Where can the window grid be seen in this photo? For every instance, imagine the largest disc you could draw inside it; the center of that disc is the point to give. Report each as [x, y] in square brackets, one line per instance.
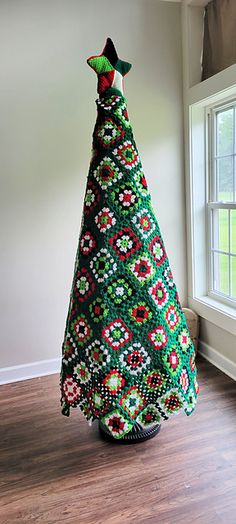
[215, 205]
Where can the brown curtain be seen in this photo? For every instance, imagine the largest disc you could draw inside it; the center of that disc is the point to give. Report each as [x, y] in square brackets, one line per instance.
[219, 42]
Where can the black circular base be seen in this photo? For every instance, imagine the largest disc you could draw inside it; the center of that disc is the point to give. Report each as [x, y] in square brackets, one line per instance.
[137, 434]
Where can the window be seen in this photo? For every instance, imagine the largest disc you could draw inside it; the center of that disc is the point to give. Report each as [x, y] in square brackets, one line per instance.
[210, 126]
[222, 202]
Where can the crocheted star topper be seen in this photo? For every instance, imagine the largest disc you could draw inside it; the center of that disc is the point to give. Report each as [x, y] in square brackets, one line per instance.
[109, 68]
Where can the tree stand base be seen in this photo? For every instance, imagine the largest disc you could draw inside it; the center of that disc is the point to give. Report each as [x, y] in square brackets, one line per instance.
[137, 434]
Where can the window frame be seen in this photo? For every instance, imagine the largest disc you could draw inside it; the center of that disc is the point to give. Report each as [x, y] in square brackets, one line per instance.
[212, 201]
[218, 89]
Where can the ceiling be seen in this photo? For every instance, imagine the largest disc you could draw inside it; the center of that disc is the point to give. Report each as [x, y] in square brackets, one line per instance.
[194, 3]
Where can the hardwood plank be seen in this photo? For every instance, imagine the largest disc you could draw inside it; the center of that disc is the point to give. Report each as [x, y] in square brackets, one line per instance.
[55, 469]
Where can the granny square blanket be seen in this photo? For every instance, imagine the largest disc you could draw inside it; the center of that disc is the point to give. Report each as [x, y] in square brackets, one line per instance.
[127, 355]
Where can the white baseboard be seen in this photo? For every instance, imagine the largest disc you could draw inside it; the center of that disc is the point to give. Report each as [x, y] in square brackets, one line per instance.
[27, 371]
[217, 359]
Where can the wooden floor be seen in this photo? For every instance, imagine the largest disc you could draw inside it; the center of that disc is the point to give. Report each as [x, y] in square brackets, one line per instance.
[55, 469]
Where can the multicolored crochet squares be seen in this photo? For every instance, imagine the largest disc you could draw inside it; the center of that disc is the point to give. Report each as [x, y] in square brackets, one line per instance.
[125, 198]
[132, 401]
[125, 243]
[106, 173]
[103, 265]
[81, 329]
[109, 133]
[119, 290]
[144, 223]
[127, 155]
[117, 423]
[105, 219]
[142, 268]
[116, 334]
[127, 351]
[84, 285]
[135, 358]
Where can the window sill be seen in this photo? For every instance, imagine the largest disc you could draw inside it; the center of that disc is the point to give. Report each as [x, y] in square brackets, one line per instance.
[216, 312]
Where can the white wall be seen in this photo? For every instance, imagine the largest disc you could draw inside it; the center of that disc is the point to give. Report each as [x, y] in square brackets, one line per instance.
[47, 118]
[218, 339]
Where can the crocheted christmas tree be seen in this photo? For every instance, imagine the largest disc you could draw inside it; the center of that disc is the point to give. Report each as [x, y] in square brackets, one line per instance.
[127, 352]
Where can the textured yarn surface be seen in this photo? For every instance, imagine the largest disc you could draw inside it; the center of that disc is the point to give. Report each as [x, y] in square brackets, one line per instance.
[127, 352]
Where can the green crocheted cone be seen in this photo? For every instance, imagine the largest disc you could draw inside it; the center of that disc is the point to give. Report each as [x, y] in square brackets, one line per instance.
[127, 352]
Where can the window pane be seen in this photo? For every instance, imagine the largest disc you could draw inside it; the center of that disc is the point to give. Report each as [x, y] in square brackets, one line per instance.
[221, 273]
[233, 231]
[224, 173]
[220, 229]
[224, 130]
[233, 275]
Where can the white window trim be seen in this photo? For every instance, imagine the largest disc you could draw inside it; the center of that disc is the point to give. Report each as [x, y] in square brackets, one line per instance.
[217, 89]
[212, 202]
